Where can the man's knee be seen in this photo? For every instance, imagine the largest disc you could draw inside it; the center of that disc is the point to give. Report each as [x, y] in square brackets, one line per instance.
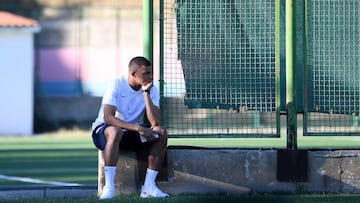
[164, 138]
[113, 134]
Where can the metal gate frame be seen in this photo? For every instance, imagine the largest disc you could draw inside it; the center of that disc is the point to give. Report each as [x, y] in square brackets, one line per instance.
[291, 122]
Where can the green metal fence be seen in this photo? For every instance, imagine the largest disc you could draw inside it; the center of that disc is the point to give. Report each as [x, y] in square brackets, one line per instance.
[224, 68]
[221, 68]
[333, 67]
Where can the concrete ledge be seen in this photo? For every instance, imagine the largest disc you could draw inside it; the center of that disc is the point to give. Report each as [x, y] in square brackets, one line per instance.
[126, 179]
[244, 170]
[218, 171]
[37, 192]
[238, 171]
[333, 171]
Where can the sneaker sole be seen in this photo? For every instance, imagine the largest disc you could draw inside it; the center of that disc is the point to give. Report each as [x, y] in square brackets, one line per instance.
[144, 195]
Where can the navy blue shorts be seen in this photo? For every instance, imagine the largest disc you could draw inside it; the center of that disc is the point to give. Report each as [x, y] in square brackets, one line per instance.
[129, 142]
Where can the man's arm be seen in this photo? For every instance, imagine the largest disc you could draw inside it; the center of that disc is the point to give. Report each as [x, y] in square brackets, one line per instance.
[152, 111]
[111, 120]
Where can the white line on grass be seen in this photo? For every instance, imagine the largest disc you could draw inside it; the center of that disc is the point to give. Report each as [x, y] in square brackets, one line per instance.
[31, 180]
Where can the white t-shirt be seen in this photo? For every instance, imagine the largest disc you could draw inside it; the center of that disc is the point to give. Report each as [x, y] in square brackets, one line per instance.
[130, 104]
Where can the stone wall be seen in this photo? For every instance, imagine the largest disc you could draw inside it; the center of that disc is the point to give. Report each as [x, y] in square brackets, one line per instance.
[238, 171]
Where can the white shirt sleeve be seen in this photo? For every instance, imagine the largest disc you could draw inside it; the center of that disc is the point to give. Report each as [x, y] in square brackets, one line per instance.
[110, 94]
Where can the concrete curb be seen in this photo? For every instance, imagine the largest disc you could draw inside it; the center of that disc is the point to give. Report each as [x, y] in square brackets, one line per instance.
[40, 192]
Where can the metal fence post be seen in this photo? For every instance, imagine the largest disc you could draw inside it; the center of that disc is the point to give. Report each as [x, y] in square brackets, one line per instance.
[148, 29]
[290, 74]
[161, 59]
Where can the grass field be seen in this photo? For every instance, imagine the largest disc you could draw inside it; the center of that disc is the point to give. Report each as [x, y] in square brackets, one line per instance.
[65, 156]
[252, 198]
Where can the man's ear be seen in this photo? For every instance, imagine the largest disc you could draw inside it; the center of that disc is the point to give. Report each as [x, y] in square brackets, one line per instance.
[133, 73]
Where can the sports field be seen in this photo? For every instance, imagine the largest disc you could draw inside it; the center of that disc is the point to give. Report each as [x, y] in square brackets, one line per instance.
[69, 158]
[61, 158]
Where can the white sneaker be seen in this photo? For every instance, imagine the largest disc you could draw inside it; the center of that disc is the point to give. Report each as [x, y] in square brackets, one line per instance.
[152, 191]
[107, 193]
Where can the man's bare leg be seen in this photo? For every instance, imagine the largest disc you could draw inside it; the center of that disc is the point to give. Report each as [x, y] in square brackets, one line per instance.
[155, 160]
[111, 155]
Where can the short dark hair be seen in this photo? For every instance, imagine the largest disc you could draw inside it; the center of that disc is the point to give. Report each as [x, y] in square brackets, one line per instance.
[139, 61]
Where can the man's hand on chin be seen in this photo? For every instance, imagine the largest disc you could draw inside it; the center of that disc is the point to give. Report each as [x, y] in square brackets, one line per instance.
[147, 86]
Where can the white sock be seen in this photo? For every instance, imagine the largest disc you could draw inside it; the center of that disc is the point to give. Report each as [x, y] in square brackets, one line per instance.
[150, 177]
[110, 172]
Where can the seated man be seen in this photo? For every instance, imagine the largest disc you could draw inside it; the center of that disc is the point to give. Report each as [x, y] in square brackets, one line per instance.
[119, 125]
